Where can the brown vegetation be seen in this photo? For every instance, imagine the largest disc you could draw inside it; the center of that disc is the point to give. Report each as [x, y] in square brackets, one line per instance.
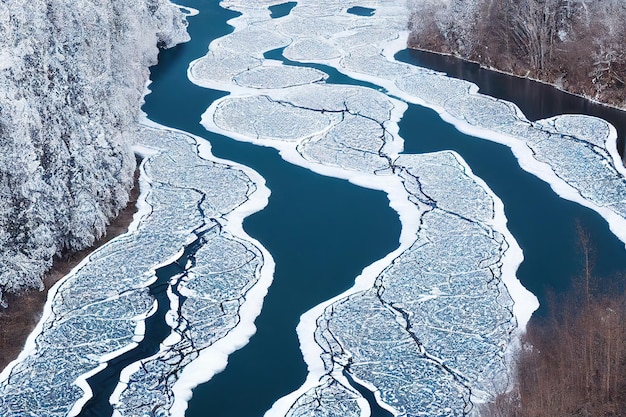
[24, 310]
[574, 44]
[573, 363]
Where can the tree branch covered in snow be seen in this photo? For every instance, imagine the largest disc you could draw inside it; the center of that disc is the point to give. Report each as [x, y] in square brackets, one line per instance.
[72, 77]
[576, 44]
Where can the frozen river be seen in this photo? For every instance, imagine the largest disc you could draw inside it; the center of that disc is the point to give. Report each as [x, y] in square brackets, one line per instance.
[385, 255]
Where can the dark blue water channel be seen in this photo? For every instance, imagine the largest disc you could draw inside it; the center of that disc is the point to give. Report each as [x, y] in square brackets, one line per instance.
[281, 10]
[361, 11]
[322, 232]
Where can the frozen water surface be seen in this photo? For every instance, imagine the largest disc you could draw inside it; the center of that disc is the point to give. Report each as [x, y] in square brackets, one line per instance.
[330, 398]
[336, 126]
[263, 117]
[368, 60]
[97, 312]
[252, 42]
[354, 144]
[312, 49]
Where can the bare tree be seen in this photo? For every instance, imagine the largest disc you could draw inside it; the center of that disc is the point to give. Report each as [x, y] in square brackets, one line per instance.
[576, 44]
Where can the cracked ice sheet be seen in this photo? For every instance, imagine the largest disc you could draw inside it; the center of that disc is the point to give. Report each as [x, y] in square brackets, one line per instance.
[342, 127]
[351, 132]
[89, 320]
[279, 76]
[333, 126]
[223, 271]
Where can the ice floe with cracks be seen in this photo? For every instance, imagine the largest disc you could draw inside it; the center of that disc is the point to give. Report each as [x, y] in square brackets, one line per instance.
[312, 50]
[279, 76]
[252, 42]
[354, 144]
[355, 100]
[369, 61]
[330, 398]
[215, 301]
[340, 126]
[262, 117]
[97, 312]
[221, 66]
[435, 342]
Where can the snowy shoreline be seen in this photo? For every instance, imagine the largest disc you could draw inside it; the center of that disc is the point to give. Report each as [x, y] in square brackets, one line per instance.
[522, 77]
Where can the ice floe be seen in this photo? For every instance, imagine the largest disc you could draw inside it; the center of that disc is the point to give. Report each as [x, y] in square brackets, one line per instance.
[333, 126]
[190, 202]
[279, 77]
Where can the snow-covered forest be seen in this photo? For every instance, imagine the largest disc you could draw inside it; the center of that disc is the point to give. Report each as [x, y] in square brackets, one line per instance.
[577, 45]
[72, 77]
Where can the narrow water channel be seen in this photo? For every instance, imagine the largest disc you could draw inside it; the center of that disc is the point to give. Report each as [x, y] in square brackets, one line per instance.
[103, 383]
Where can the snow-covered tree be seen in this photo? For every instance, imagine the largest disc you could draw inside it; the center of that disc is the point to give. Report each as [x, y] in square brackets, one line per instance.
[72, 76]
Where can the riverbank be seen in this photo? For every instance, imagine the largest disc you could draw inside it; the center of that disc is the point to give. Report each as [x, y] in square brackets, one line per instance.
[24, 310]
[575, 47]
[576, 91]
[536, 99]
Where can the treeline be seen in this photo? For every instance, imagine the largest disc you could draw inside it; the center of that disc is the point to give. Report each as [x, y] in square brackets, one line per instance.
[578, 45]
[72, 78]
[572, 363]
